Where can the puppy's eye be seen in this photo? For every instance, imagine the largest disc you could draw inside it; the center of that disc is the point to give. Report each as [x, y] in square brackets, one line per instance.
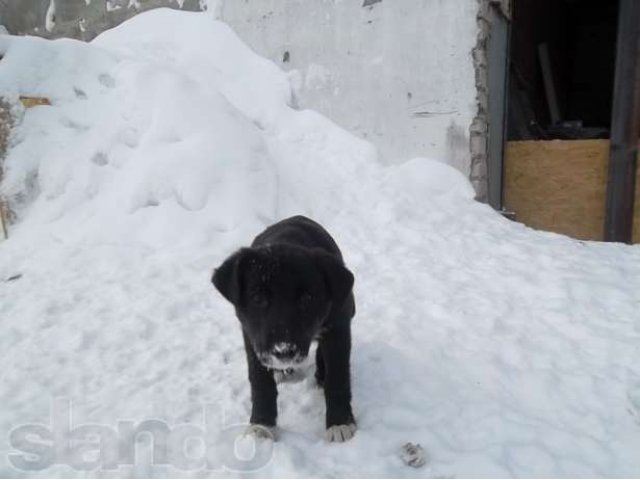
[259, 299]
[304, 300]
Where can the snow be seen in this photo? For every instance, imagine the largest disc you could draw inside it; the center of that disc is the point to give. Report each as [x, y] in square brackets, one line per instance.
[500, 350]
[213, 7]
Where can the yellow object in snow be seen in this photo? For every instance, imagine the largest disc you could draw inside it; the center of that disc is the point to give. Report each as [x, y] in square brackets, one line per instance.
[29, 102]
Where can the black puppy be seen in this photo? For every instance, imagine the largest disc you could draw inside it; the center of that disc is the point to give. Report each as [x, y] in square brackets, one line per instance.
[289, 288]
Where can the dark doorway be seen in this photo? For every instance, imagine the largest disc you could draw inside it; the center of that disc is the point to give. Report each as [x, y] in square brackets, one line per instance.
[562, 63]
[572, 117]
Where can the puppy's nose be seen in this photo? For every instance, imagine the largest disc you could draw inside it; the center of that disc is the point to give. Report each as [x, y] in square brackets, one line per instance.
[284, 351]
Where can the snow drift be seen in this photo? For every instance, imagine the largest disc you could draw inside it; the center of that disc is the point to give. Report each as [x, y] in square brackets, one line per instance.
[501, 350]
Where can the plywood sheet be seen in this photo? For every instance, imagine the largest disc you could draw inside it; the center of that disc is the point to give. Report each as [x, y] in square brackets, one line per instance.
[560, 186]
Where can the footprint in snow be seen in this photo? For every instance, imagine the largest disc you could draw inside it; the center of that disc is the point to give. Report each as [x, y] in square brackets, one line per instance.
[79, 93]
[633, 395]
[106, 80]
[413, 455]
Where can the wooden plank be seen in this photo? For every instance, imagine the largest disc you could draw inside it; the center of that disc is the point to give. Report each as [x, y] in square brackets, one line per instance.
[498, 60]
[6, 123]
[5, 234]
[29, 102]
[560, 186]
[549, 83]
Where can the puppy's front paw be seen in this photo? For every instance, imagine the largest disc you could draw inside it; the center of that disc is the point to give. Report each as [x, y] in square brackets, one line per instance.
[340, 433]
[261, 432]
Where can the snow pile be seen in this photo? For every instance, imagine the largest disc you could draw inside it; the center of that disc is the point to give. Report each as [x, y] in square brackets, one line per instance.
[500, 350]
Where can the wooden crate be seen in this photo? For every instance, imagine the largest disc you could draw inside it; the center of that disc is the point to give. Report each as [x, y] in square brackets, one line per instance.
[560, 186]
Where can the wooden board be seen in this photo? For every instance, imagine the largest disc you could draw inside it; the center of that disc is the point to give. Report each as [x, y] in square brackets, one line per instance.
[560, 186]
[29, 102]
[6, 123]
[5, 129]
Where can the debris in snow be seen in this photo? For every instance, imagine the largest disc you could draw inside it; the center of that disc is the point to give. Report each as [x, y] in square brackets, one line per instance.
[17, 276]
[30, 102]
[3, 223]
[413, 455]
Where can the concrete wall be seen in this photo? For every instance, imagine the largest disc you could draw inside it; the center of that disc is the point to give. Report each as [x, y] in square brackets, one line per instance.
[81, 19]
[399, 73]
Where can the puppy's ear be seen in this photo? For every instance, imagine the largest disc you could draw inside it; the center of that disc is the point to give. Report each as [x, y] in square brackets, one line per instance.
[227, 277]
[339, 279]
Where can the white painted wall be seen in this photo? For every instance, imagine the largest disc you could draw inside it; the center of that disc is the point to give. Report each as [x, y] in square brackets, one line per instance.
[399, 72]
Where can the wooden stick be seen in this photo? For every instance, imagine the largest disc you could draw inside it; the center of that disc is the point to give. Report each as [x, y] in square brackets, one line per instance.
[2, 220]
[549, 83]
[29, 102]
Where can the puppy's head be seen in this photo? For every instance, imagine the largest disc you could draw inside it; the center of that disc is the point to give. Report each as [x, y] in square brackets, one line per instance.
[282, 295]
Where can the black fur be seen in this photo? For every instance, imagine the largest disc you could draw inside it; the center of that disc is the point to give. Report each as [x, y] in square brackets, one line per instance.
[289, 288]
